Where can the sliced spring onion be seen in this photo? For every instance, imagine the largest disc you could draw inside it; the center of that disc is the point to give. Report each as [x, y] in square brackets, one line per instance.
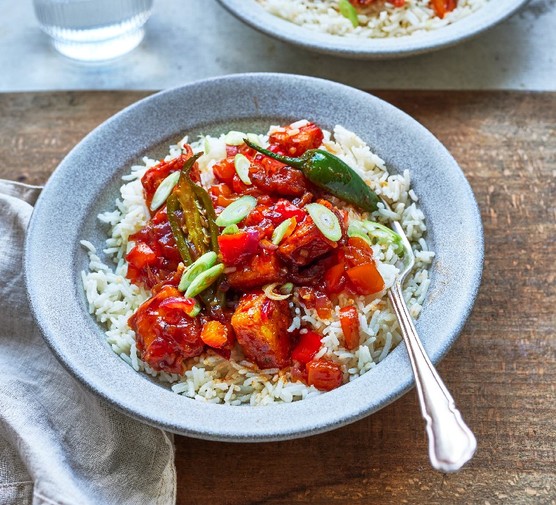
[236, 211]
[286, 288]
[194, 311]
[242, 165]
[164, 189]
[230, 230]
[273, 295]
[204, 280]
[234, 138]
[299, 124]
[326, 221]
[358, 229]
[283, 230]
[253, 138]
[385, 236]
[203, 263]
[348, 11]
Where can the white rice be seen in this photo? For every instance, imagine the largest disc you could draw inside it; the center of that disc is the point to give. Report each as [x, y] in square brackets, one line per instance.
[112, 298]
[380, 20]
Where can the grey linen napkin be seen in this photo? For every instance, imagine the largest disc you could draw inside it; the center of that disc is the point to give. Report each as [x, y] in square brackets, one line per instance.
[60, 444]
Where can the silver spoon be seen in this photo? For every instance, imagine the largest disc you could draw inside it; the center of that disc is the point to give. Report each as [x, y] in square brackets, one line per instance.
[451, 442]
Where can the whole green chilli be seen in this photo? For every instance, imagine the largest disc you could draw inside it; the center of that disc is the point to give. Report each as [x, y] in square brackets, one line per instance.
[330, 173]
[195, 231]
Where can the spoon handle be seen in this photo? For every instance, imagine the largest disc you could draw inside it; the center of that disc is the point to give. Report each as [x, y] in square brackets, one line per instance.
[451, 442]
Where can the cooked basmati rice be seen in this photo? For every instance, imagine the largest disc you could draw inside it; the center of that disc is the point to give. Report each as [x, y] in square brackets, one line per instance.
[380, 20]
[112, 298]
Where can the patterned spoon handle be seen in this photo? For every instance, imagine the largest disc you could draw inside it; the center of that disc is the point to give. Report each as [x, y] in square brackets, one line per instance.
[451, 442]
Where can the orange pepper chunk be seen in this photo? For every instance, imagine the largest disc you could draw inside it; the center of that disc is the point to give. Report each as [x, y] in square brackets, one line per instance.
[324, 374]
[214, 334]
[365, 279]
[349, 320]
[442, 7]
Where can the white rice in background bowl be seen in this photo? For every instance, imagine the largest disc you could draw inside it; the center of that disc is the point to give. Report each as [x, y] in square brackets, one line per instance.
[112, 298]
[380, 20]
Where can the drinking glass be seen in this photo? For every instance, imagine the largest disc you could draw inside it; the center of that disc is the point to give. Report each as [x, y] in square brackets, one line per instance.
[93, 30]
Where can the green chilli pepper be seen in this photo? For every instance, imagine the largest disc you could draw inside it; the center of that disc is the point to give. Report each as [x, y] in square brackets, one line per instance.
[192, 216]
[330, 173]
[195, 230]
[206, 203]
[172, 207]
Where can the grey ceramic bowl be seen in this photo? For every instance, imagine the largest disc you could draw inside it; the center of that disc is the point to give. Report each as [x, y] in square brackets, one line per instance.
[87, 182]
[251, 12]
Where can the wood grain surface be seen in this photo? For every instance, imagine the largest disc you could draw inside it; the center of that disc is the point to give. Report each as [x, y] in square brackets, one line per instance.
[501, 371]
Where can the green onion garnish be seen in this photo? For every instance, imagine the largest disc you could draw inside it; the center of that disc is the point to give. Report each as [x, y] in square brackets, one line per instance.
[204, 280]
[286, 288]
[203, 263]
[236, 211]
[234, 138]
[348, 11]
[358, 229]
[285, 228]
[164, 189]
[326, 221]
[194, 311]
[385, 236]
[230, 230]
[242, 165]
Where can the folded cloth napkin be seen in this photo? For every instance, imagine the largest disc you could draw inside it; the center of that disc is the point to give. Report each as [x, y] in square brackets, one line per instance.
[60, 444]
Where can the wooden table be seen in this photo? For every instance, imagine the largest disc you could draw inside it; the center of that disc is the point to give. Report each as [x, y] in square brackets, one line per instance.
[501, 371]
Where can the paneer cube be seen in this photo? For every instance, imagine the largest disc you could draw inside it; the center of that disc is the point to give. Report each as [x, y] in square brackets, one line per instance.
[264, 268]
[305, 244]
[261, 327]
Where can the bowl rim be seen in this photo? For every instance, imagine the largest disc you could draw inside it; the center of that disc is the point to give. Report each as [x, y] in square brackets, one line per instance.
[204, 420]
[254, 15]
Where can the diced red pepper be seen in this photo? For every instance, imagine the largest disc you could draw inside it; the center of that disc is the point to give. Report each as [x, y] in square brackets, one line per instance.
[285, 209]
[295, 141]
[358, 252]
[214, 334]
[365, 279]
[187, 305]
[244, 149]
[349, 320]
[324, 374]
[225, 170]
[141, 255]
[335, 279]
[221, 195]
[237, 247]
[442, 7]
[308, 345]
[239, 187]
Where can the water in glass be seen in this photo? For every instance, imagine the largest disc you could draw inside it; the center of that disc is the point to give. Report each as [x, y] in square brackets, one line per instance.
[93, 30]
